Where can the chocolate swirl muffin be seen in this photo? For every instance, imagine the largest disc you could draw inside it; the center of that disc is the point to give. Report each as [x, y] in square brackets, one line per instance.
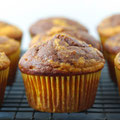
[10, 31]
[72, 32]
[11, 48]
[45, 25]
[4, 69]
[109, 27]
[111, 48]
[61, 70]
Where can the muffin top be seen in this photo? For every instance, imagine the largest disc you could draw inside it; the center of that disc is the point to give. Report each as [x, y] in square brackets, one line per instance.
[110, 26]
[112, 45]
[8, 45]
[4, 61]
[44, 25]
[78, 34]
[10, 31]
[117, 61]
[62, 55]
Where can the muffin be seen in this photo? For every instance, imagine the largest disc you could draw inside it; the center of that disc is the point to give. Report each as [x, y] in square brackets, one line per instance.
[77, 34]
[111, 48]
[117, 69]
[4, 69]
[11, 48]
[61, 75]
[109, 27]
[45, 25]
[10, 31]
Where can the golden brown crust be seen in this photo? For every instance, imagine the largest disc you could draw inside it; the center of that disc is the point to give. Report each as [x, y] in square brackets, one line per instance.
[61, 55]
[10, 31]
[110, 26]
[44, 25]
[117, 61]
[77, 34]
[4, 61]
[8, 45]
[112, 45]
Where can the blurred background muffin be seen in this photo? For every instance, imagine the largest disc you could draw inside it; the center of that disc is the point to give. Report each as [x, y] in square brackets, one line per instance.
[10, 31]
[109, 27]
[117, 69]
[44, 25]
[11, 48]
[58, 73]
[72, 32]
[111, 48]
[4, 70]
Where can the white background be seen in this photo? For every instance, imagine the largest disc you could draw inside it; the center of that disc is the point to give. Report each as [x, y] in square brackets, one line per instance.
[25, 12]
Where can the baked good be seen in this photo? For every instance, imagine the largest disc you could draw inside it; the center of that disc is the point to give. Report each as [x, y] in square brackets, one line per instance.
[4, 70]
[44, 25]
[77, 34]
[61, 75]
[10, 31]
[11, 48]
[117, 69]
[111, 48]
[109, 27]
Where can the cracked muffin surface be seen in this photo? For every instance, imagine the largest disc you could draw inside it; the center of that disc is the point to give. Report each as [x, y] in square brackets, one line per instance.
[10, 31]
[112, 45]
[8, 45]
[44, 25]
[4, 61]
[110, 26]
[77, 34]
[61, 55]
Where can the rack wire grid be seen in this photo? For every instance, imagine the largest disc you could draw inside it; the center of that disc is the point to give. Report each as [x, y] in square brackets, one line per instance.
[106, 105]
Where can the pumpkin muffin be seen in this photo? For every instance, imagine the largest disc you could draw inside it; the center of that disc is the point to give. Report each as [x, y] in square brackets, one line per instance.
[4, 69]
[111, 48]
[11, 48]
[61, 75]
[77, 34]
[10, 31]
[109, 27]
[44, 25]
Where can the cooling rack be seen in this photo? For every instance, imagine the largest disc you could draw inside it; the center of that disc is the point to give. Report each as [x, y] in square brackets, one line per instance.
[106, 106]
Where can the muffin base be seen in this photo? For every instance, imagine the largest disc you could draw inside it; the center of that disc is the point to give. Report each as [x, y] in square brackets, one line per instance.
[13, 66]
[3, 83]
[110, 60]
[103, 39]
[61, 94]
[118, 77]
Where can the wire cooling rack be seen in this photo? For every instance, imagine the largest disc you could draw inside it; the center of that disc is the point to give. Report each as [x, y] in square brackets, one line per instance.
[106, 106]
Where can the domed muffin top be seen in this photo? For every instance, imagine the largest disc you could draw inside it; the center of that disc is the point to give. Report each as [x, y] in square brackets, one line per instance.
[44, 25]
[110, 26]
[4, 61]
[117, 61]
[8, 45]
[10, 31]
[112, 45]
[61, 55]
[78, 34]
